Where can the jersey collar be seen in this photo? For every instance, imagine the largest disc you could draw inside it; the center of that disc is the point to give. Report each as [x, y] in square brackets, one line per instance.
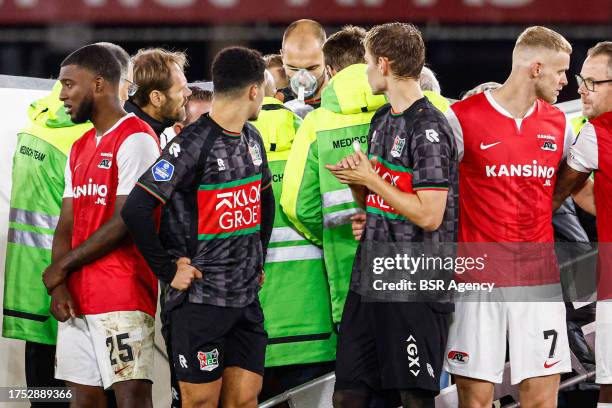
[120, 121]
[502, 110]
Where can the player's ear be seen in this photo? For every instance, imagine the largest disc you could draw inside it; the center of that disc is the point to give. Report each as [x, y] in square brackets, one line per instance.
[156, 98]
[178, 128]
[383, 65]
[534, 69]
[98, 84]
[330, 71]
[253, 90]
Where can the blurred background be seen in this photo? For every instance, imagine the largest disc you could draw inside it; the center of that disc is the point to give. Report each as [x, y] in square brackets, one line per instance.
[468, 41]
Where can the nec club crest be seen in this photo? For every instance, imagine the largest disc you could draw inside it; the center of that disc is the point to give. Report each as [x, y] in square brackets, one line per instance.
[398, 146]
[255, 153]
[208, 360]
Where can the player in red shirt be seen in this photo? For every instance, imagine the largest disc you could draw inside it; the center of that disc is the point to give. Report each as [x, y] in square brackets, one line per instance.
[510, 142]
[103, 293]
[592, 152]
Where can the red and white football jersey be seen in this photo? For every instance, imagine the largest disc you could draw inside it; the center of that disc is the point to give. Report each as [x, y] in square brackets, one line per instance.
[593, 152]
[507, 174]
[98, 169]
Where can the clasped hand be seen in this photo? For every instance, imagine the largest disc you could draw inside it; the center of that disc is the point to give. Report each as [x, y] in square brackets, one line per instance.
[354, 169]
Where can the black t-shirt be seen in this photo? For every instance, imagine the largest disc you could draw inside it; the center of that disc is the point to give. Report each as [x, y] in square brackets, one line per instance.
[416, 150]
[211, 211]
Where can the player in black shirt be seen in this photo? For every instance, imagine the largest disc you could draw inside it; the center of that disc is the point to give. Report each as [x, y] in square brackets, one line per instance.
[409, 192]
[213, 182]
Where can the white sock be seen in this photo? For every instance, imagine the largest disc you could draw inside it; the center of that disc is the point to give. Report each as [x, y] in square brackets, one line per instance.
[604, 405]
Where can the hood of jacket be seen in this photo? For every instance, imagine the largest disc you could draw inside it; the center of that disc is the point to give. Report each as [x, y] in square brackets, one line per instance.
[349, 92]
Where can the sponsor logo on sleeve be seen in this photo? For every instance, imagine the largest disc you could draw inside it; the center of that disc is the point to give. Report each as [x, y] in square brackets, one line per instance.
[432, 136]
[220, 164]
[458, 357]
[162, 170]
[174, 149]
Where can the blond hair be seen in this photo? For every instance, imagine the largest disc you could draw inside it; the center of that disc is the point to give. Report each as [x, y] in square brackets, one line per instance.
[542, 37]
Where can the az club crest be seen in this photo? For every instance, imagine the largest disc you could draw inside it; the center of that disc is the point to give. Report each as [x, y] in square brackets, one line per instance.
[105, 164]
[550, 146]
[398, 146]
[255, 154]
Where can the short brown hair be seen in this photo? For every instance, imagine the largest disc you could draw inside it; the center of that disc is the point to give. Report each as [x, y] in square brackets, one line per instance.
[542, 37]
[273, 60]
[345, 47]
[602, 48]
[199, 94]
[152, 71]
[401, 44]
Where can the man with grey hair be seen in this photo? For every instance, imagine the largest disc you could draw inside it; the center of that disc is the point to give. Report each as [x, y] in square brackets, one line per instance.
[428, 81]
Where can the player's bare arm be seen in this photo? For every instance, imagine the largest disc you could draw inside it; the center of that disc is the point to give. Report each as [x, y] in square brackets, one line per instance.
[570, 181]
[425, 208]
[268, 211]
[585, 197]
[61, 302]
[138, 216]
[100, 243]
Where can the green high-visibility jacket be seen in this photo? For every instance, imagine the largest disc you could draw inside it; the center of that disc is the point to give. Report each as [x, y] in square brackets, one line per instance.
[295, 295]
[36, 200]
[317, 204]
[577, 123]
